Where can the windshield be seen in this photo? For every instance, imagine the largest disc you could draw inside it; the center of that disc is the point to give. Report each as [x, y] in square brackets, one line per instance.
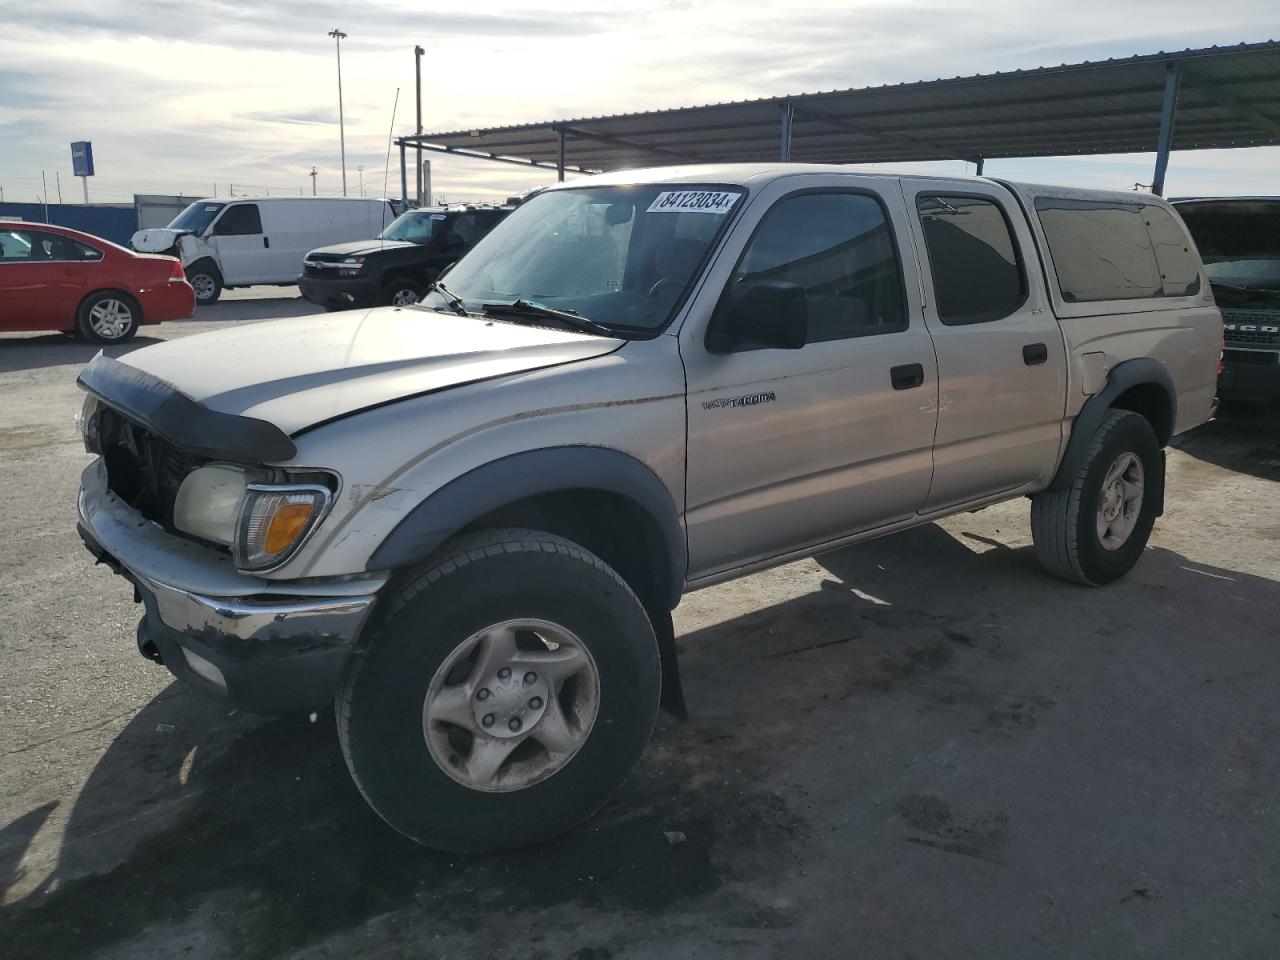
[1239, 241]
[621, 256]
[196, 217]
[415, 227]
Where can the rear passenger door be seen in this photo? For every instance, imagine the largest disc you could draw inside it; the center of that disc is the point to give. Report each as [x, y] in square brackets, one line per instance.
[788, 449]
[1001, 359]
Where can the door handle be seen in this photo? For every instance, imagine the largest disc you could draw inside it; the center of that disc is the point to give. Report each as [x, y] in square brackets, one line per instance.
[906, 375]
[266, 241]
[1034, 354]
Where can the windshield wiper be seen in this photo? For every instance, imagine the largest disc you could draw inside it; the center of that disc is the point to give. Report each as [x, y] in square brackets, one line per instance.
[569, 318]
[453, 301]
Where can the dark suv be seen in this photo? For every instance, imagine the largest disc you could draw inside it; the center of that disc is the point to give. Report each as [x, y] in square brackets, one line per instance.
[396, 267]
[1239, 240]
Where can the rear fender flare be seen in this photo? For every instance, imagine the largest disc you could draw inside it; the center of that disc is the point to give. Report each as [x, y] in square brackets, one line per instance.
[1122, 377]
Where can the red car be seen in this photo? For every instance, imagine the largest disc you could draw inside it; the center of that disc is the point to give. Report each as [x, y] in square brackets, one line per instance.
[52, 278]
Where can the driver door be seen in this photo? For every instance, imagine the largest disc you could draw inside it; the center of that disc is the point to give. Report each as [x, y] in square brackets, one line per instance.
[243, 249]
[788, 449]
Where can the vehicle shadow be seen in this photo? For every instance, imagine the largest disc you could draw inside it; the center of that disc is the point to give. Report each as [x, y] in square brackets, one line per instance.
[1243, 438]
[264, 840]
[56, 350]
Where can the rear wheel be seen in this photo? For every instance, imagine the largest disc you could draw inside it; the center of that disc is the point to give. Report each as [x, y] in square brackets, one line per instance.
[505, 694]
[108, 317]
[402, 292]
[205, 280]
[1095, 529]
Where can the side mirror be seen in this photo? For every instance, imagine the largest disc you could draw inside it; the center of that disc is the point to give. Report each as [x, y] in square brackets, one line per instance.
[772, 314]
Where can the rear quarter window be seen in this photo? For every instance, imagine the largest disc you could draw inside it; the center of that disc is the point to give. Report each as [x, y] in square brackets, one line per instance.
[1100, 251]
[1103, 250]
[1179, 265]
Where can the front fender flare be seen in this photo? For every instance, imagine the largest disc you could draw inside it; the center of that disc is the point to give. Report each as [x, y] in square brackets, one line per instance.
[478, 492]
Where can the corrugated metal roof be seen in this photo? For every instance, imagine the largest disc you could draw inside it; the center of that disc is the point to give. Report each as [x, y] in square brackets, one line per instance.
[1229, 97]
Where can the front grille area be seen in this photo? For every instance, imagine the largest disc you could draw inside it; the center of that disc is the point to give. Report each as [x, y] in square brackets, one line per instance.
[311, 268]
[1251, 328]
[142, 469]
[1252, 358]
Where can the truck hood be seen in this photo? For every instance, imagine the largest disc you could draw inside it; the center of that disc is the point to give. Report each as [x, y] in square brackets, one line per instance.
[299, 372]
[358, 247]
[155, 239]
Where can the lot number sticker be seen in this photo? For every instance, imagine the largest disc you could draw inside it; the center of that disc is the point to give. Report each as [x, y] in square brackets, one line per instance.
[693, 201]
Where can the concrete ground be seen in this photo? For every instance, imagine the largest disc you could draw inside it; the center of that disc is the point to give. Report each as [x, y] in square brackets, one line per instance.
[918, 747]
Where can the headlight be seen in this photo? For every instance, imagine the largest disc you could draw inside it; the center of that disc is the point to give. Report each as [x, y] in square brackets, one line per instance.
[208, 502]
[87, 423]
[351, 267]
[275, 520]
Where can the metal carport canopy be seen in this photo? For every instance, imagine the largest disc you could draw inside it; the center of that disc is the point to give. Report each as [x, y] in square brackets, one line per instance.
[1188, 100]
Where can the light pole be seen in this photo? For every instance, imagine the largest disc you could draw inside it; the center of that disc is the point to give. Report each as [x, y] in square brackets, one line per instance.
[338, 37]
[417, 74]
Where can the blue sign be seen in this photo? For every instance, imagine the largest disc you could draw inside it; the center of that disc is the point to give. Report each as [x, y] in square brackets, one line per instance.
[82, 158]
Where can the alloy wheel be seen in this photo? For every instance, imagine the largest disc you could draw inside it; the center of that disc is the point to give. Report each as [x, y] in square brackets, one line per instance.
[511, 705]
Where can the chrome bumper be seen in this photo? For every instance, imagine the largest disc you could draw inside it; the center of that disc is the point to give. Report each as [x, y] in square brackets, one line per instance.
[272, 644]
[326, 620]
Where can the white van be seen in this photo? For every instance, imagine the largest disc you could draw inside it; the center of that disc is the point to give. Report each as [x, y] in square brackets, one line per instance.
[235, 243]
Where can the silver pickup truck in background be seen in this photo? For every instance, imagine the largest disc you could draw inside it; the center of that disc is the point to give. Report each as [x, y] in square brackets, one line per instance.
[466, 522]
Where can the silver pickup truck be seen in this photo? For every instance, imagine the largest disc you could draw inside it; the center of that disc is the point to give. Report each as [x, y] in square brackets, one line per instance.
[466, 522]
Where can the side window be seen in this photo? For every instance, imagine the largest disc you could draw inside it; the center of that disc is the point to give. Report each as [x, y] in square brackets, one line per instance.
[977, 272]
[1100, 250]
[1179, 271]
[15, 246]
[462, 230]
[240, 220]
[35, 245]
[839, 248]
[82, 251]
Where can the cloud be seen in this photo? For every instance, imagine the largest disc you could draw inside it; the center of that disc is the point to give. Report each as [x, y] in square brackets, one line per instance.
[180, 94]
[315, 117]
[275, 25]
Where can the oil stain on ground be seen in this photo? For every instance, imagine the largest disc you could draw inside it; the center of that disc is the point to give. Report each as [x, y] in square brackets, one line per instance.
[933, 824]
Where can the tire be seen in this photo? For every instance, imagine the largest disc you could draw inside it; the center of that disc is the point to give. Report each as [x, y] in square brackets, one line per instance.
[206, 281]
[108, 316]
[1065, 523]
[416, 772]
[401, 292]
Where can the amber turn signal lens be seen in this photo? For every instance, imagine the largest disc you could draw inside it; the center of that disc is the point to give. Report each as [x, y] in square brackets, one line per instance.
[287, 525]
[274, 520]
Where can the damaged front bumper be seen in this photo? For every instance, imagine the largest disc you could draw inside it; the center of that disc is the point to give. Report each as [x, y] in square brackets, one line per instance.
[271, 645]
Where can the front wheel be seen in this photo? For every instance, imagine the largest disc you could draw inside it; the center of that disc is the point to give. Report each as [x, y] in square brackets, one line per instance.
[402, 293]
[108, 317]
[205, 281]
[1094, 530]
[505, 694]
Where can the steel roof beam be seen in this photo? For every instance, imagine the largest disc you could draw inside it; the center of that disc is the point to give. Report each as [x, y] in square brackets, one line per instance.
[1229, 101]
[764, 133]
[864, 129]
[481, 155]
[581, 134]
[966, 104]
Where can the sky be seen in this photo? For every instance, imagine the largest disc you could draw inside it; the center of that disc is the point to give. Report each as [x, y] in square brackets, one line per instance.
[203, 95]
